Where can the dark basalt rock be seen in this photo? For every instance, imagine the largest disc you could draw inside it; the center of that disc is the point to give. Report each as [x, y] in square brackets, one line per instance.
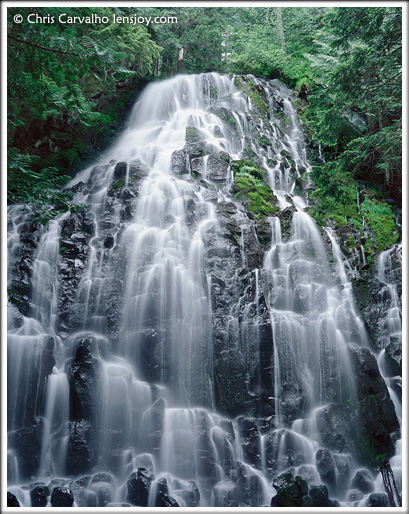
[250, 441]
[326, 466]
[225, 494]
[80, 455]
[393, 357]
[138, 485]
[377, 500]
[137, 169]
[12, 500]
[290, 491]
[62, 497]
[217, 166]
[376, 409]
[120, 170]
[84, 377]
[179, 160]
[319, 495]
[363, 481]
[26, 443]
[38, 496]
[163, 499]
[332, 429]
[190, 494]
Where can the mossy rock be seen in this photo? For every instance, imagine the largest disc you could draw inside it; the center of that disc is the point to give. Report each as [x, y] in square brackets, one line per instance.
[381, 220]
[244, 165]
[192, 135]
[119, 184]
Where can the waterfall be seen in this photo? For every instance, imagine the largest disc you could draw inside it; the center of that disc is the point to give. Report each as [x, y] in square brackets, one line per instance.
[169, 347]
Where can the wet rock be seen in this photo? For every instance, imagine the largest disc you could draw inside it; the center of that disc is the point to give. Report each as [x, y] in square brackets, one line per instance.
[84, 378]
[62, 497]
[249, 489]
[137, 169]
[326, 466]
[205, 452]
[190, 494]
[214, 167]
[155, 415]
[332, 430]
[120, 170]
[38, 496]
[290, 490]
[393, 357]
[225, 494]
[319, 495]
[144, 461]
[342, 462]
[163, 499]
[376, 410]
[80, 492]
[80, 455]
[138, 485]
[377, 500]
[193, 135]
[12, 500]
[217, 166]
[354, 495]
[250, 441]
[104, 495]
[26, 443]
[363, 481]
[179, 161]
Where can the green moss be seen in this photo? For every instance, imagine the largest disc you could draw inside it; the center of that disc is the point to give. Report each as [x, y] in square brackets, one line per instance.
[380, 219]
[245, 166]
[264, 141]
[253, 92]
[256, 195]
[192, 135]
[118, 184]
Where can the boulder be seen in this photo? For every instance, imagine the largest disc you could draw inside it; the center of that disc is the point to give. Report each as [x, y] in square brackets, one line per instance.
[138, 485]
[326, 466]
[38, 496]
[12, 500]
[363, 481]
[179, 161]
[163, 499]
[290, 490]
[120, 170]
[319, 495]
[377, 500]
[62, 497]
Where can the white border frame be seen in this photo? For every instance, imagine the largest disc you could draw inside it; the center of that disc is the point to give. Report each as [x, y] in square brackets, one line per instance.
[405, 199]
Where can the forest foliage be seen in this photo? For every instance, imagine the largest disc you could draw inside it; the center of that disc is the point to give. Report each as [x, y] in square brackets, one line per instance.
[69, 85]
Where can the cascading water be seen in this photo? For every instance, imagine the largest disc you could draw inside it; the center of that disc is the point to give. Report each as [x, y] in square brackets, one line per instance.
[156, 359]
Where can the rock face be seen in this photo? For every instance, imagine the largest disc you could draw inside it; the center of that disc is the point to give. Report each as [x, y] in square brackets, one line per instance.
[377, 412]
[84, 378]
[27, 445]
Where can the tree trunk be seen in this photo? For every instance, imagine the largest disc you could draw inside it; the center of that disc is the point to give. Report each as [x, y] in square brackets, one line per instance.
[390, 484]
[281, 31]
